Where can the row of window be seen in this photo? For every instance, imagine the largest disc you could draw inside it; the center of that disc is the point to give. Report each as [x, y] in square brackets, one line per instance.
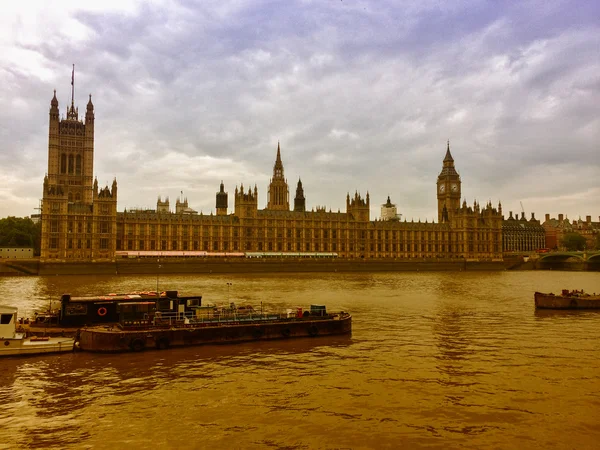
[79, 243]
[165, 245]
[104, 227]
[70, 164]
[300, 233]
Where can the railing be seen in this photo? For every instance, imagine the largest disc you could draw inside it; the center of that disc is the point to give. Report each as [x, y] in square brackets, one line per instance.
[189, 319]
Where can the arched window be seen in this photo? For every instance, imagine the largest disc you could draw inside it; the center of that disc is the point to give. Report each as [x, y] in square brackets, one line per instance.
[78, 165]
[63, 163]
[78, 197]
[71, 163]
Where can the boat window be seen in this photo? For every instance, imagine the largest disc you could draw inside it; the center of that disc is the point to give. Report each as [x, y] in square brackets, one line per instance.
[164, 305]
[76, 309]
[5, 319]
[193, 302]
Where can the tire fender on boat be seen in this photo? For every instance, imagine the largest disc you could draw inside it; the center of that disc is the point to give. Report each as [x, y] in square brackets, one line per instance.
[286, 332]
[162, 343]
[137, 345]
[313, 330]
[102, 311]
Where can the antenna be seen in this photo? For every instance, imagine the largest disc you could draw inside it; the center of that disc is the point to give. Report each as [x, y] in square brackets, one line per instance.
[73, 85]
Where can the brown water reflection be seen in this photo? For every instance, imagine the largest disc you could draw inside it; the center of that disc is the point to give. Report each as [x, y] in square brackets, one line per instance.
[434, 361]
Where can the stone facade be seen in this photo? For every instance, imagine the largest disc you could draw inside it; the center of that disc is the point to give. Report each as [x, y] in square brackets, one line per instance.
[80, 222]
[522, 235]
[556, 228]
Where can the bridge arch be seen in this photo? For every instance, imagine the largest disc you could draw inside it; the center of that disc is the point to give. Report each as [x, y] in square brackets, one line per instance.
[561, 256]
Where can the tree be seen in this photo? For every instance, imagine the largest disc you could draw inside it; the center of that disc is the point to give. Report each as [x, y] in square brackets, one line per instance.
[573, 242]
[20, 232]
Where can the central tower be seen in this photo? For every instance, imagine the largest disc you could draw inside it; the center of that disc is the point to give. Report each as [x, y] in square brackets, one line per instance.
[279, 192]
[448, 189]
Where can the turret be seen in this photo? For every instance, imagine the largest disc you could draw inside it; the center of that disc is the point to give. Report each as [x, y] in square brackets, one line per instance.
[299, 200]
[221, 200]
[54, 107]
[358, 207]
[89, 113]
[246, 204]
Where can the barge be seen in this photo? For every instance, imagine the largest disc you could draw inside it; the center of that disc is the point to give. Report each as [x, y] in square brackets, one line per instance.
[14, 343]
[575, 299]
[141, 327]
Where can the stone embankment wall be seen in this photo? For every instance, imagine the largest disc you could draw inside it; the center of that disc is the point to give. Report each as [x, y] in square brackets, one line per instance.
[208, 266]
[11, 267]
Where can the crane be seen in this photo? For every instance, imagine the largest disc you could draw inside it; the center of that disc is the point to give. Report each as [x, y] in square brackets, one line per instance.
[522, 209]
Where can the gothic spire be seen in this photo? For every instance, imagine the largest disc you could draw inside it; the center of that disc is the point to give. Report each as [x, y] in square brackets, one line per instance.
[278, 167]
[448, 157]
[54, 101]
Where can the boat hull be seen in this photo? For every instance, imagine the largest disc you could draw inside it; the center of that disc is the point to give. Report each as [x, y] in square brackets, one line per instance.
[570, 301]
[27, 346]
[114, 339]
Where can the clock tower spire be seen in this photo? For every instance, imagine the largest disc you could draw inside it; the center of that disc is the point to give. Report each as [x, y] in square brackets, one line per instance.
[448, 188]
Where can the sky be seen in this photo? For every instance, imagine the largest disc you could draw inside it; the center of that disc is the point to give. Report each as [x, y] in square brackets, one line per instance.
[361, 95]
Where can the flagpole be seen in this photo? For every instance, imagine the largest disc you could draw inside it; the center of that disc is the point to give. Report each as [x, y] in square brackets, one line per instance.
[73, 86]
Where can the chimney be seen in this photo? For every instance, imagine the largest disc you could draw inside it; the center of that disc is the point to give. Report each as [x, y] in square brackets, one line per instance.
[588, 219]
[561, 217]
[532, 216]
[547, 217]
[510, 215]
[523, 215]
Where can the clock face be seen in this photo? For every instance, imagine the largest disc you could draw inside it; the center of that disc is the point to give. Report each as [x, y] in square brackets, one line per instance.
[442, 188]
[454, 188]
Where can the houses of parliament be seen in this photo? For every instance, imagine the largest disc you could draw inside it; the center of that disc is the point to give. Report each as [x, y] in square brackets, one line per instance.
[80, 220]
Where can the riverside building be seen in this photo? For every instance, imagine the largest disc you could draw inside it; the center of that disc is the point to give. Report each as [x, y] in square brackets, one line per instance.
[80, 221]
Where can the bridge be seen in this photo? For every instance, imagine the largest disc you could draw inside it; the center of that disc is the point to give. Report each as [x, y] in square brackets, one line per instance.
[591, 256]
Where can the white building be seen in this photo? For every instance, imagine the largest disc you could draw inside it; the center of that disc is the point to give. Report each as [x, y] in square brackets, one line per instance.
[389, 211]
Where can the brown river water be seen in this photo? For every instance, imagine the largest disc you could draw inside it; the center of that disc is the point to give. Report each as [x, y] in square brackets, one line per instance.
[435, 360]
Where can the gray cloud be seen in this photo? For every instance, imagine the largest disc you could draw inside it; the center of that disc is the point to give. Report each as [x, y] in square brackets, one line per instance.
[362, 96]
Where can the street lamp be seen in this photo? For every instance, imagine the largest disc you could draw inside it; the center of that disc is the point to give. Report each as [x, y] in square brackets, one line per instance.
[157, 274]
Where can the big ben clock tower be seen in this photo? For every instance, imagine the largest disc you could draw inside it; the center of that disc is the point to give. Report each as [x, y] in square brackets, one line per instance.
[448, 189]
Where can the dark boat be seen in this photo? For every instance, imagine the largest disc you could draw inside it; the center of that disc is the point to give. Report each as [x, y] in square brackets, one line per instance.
[567, 300]
[141, 327]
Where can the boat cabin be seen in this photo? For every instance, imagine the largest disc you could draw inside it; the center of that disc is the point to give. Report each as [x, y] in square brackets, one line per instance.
[80, 311]
[8, 320]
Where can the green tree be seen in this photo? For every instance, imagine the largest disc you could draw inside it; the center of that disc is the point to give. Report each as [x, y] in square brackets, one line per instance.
[573, 242]
[20, 232]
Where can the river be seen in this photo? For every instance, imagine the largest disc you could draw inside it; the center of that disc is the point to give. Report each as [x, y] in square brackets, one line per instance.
[435, 360]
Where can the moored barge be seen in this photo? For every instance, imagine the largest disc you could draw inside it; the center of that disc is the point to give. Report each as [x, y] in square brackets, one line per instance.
[209, 326]
[575, 299]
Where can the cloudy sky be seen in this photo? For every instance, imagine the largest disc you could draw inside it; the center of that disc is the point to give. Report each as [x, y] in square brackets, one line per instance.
[362, 95]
